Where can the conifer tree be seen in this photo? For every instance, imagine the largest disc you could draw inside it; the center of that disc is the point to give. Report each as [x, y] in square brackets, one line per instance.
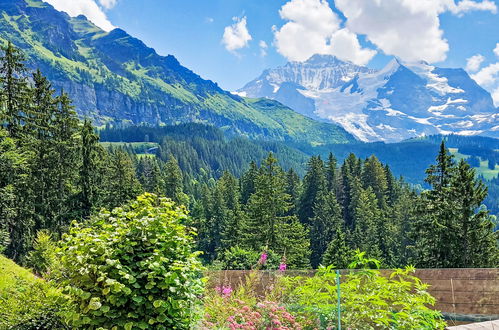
[477, 243]
[173, 179]
[323, 225]
[338, 252]
[267, 225]
[368, 221]
[248, 182]
[90, 178]
[14, 86]
[314, 183]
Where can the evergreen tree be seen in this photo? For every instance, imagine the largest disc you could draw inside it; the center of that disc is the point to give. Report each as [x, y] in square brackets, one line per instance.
[331, 173]
[293, 189]
[338, 252]
[173, 179]
[367, 234]
[267, 225]
[435, 233]
[248, 182]
[323, 225]
[351, 170]
[14, 86]
[477, 243]
[374, 176]
[314, 183]
[122, 183]
[90, 178]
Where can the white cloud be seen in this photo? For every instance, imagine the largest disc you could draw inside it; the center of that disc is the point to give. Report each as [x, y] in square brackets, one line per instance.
[313, 28]
[236, 36]
[495, 96]
[209, 20]
[108, 4]
[408, 29]
[488, 78]
[496, 50]
[263, 48]
[488, 75]
[474, 62]
[465, 6]
[89, 8]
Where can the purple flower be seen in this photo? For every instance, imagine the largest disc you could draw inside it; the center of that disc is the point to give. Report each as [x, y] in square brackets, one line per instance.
[263, 258]
[224, 291]
[282, 267]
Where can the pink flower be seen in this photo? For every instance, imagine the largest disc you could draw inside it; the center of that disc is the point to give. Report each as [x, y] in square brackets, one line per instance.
[263, 258]
[224, 291]
[282, 267]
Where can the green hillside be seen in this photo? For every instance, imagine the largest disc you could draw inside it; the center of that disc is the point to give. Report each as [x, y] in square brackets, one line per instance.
[113, 77]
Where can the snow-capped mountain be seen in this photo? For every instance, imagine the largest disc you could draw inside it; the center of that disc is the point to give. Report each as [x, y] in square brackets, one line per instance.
[398, 102]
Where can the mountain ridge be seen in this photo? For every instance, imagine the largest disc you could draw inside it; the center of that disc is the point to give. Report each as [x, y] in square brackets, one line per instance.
[112, 76]
[398, 102]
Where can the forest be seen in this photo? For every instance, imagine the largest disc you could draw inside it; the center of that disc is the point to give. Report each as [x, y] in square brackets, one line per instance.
[53, 171]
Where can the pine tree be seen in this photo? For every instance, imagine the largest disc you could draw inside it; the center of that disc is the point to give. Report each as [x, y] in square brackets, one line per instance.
[173, 179]
[477, 243]
[248, 182]
[374, 176]
[14, 86]
[267, 225]
[367, 234]
[293, 189]
[90, 178]
[338, 253]
[323, 225]
[434, 232]
[122, 184]
[314, 183]
[331, 173]
[351, 170]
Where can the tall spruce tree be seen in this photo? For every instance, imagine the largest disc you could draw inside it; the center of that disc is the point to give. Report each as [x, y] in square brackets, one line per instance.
[14, 86]
[323, 225]
[314, 183]
[267, 225]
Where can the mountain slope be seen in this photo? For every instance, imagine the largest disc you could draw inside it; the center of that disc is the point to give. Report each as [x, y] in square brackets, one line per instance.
[398, 102]
[115, 77]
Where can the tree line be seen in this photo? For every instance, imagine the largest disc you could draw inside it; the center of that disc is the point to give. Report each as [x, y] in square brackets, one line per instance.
[53, 170]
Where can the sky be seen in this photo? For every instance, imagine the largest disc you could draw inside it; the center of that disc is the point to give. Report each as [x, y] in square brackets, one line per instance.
[232, 41]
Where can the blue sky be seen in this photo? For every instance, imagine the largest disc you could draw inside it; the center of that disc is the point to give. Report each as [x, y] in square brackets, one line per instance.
[222, 39]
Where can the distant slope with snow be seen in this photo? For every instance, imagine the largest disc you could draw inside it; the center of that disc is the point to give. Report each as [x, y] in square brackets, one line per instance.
[400, 101]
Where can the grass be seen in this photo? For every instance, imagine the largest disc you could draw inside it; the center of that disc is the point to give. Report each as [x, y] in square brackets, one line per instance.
[483, 170]
[11, 274]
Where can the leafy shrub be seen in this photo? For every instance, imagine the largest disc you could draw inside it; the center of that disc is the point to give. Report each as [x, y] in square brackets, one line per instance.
[133, 267]
[43, 256]
[4, 239]
[237, 258]
[368, 299]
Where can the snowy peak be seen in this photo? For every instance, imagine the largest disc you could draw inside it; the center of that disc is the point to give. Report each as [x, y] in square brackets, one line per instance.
[400, 101]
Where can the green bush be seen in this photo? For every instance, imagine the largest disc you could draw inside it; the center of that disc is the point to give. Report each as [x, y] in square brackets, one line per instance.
[237, 258]
[133, 268]
[43, 256]
[369, 300]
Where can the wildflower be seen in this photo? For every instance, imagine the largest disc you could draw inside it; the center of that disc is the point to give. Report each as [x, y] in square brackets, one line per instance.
[282, 267]
[263, 258]
[224, 291]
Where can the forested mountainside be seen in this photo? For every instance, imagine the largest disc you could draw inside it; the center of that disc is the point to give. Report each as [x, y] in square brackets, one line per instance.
[115, 77]
[400, 101]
